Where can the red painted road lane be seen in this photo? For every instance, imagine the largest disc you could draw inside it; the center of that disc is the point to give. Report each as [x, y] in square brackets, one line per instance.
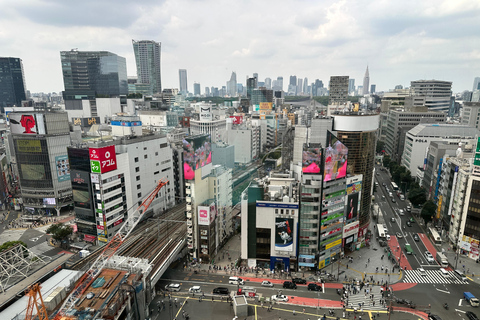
[402, 286]
[426, 242]
[302, 301]
[418, 313]
[397, 251]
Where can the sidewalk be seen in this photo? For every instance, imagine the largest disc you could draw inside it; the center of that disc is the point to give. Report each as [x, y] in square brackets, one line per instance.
[465, 264]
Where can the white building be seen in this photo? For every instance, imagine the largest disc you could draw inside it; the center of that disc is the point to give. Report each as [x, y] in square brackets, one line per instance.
[246, 143]
[217, 129]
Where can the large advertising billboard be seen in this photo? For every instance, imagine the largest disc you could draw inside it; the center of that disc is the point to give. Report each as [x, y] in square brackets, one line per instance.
[335, 159]
[22, 123]
[33, 171]
[284, 234]
[352, 206]
[266, 105]
[63, 168]
[197, 152]
[103, 160]
[311, 160]
[213, 211]
[203, 215]
[86, 122]
[237, 119]
[305, 260]
[29, 146]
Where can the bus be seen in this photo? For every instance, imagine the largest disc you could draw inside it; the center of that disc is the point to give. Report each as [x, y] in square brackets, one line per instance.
[394, 186]
[381, 231]
[434, 236]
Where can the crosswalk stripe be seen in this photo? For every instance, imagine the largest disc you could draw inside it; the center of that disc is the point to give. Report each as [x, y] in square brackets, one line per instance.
[432, 276]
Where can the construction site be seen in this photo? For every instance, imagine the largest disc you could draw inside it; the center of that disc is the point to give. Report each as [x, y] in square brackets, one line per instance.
[116, 281]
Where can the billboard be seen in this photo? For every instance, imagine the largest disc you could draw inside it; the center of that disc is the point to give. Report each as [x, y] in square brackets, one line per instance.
[213, 212]
[350, 229]
[103, 160]
[86, 122]
[33, 171]
[203, 216]
[352, 206]
[237, 119]
[284, 234]
[63, 168]
[335, 159]
[30, 146]
[22, 123]
[266, 106]
[205, 112]
[81, 198]
[197, 152]
[311, 160]
[305, 260]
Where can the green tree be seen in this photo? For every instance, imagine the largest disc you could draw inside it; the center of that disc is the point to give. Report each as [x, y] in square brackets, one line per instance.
[386, 161]
[59, 231]
[380, 146]
[7, 245]
[417, 196]
[428, 211]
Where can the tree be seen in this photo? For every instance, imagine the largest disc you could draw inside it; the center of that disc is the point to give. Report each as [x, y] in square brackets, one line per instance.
[380, 146]
[59, 231]
[428, 211]
[386, 160]
[7, 245]
[417, 196]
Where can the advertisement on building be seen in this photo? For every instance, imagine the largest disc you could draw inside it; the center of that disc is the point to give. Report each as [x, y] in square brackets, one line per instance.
[335, 159]
[311, 160]
[283, 234]
[265, 105]
[29, 146]
[103, 160]
[63, 168]
[351, 209]
[197, 153]
[205, 112]
[354, 187]
[86, 122]
[203, 215]
[213, 212]
[33, 171]
[26, 123]
[237, 119]
[350, 229]
[306, 260]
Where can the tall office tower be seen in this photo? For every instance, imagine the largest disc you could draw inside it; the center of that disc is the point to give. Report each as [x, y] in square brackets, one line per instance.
[207, 91]
[293, 80]
[316, 86]
[366, 82]
[261, 94]
[476, 83]
[251, 84]
[305, 86]
[299, 86]
[268, 83]
[12, 82]
[147, 57]
[351, 85]
[232, 85]
[87, 74]
[255, 75]
[338, 90]
[196, 89]
[280, 83]
[373, 88]
[182, 75]
[433, 94]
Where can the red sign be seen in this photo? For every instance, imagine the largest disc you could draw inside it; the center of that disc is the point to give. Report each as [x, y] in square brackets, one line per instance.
[237, 119]
[100, 227]
[116, 223]
[106, 157]
[89, 238]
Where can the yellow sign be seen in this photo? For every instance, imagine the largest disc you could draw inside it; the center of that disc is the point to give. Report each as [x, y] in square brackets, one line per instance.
[265, 106]
[333, 244]
[321, 264]
[103, 239]
[29, 146]
[439, 206]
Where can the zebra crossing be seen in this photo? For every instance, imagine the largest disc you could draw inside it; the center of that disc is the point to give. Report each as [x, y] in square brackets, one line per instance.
[431, 276]
[355, 300]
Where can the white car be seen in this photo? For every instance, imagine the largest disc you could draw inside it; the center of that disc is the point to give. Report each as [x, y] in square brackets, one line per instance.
[195, 289]
[429, 257]
[280, 297]
[266, 283]
[173, 287]
[401, 212]
[422, 272]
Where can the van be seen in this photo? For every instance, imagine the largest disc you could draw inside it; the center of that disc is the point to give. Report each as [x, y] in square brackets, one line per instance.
[444, 272]
[461, 275]
[235, 280]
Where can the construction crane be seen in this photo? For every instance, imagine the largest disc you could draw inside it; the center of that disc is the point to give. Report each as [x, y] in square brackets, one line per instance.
[35, 300]
[109, 250]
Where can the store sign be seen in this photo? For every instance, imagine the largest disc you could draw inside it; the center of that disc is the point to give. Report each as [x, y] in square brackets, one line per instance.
[89, 238]
[103, 160]
[30, 146]
[102, 239]
[116, 223]
[350, 229]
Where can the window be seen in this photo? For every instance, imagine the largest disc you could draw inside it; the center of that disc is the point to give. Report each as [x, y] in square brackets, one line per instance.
[137, 169]
[138, 178]
[145, 156]
[156, 172]
[156, 153]
[136, 159]
[139, 186]
[163, 145]
[139, 195]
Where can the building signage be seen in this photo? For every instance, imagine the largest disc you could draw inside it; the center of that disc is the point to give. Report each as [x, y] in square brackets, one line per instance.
[99, 226]
[284, 234]
[350, 229]
[89, 238]
[265, 105]
[22, 123]
[86, 122]
[277, 205]
[306, 260]
[102, 239]
[94, 178]
[333, 244]
[126, 123]
[116, 223]
[103, 160]
[203, 216]
[29, 146]
[63, 168]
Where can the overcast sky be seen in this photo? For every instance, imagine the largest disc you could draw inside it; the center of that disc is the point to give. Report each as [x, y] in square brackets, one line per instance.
[400, 40]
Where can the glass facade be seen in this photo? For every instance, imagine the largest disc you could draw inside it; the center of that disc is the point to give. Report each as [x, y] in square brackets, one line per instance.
[12, 82]
[147, 57]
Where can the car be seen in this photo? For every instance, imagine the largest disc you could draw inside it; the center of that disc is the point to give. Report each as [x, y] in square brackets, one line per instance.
[416, 237]
[471, 315]
[90, 295]
[376, 184]
[313, 287]
[383, 197]
[390, 195]
[266, 283]
[195, 289]
[280, 298]
[401, 212]
[384, 184]
[422, 272]
[409, 224]
[411, 220]
[172, 287]
[221, 290]
[399, 235]
[289, 285]
[429, 256]
[393, 200]
[433, 317]
[392, 219]
[299, 281]
[409, 209]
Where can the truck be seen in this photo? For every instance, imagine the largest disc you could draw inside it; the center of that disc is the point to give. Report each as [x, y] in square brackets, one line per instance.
[442, 259]
[471, 298]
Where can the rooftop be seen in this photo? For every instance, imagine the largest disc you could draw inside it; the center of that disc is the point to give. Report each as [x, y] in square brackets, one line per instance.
[444, 130]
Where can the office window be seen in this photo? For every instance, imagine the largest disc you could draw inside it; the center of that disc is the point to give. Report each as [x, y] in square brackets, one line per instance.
[138, 178]
[145, 156]
[139, 195]
[137, 169]
[139, 186]
[136, 159]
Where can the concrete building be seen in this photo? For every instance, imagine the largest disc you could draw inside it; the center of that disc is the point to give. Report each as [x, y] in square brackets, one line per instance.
[436, 95]
[183, 85]
[338, 92]
[147, 58]
[261, 94]
[217, 129]
[246, 142]
[419, 138]
[399, 122]
[366, 82]
[476, 84]
[471, 114]
[12, 82]
[223, 154]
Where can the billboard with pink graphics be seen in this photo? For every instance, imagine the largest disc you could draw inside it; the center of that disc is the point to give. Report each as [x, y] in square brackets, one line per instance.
[197, 153]
[203, 215]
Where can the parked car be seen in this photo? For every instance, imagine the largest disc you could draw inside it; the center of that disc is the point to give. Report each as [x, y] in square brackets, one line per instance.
[280, 298]
[313, 287]
[416, 237]
[289, 285]
[266, 283]
[409, 209]
[221, 290]
[393, 200]
[399, 235]
[299, 281]
[173, 287]
[90, 295]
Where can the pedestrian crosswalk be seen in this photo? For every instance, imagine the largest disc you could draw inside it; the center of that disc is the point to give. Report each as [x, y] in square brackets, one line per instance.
[356, 301]
[431, 276]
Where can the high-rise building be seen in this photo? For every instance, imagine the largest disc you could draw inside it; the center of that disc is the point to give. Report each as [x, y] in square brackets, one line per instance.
[147, 57]
[299, 86]
[338, 90]
[434, 94]
[251, 84]
[366, 82]
[305, 85]
[476, 84]
[87, 74]
[232, 85]
[351, 85]
[268, 83]
[279, 84]
[12, 82]
[196, 89]
[373, 88]
[207, 91]
[293, 81]
[182, 75]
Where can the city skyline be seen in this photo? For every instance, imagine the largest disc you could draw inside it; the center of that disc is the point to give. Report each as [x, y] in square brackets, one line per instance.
[317, 41]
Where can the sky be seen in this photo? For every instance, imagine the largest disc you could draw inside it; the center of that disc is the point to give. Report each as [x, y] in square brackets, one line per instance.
[400, 40]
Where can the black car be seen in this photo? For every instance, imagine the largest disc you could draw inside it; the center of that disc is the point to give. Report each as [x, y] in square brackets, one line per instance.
[299, 281]
[416, 237]
[409, 224]
[289, 285]
[471, 315]
[434, 317]
[313, 287]
[221, 290]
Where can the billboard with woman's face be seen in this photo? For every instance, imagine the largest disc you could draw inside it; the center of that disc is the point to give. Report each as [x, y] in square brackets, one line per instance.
[197, 153]
[336, 153]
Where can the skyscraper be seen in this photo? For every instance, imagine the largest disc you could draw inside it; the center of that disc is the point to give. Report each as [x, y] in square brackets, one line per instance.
[299, 85]
[305, 85]
[293, 80]
[87, 74]
[434, 94]
[351, 85]
[251, 84]
[280, 83]
[268, 83]
[182, 74]
[147, 57]
[338, 89]
[373, 88]
[476, 83]
[232, 85]
[196, 89]
[366, 82]
[12, 82]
